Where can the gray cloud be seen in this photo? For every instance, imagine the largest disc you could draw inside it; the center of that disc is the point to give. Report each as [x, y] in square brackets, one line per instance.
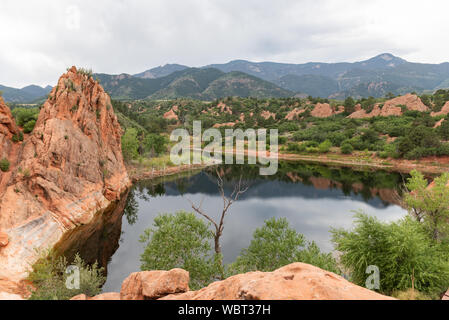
[40, 39]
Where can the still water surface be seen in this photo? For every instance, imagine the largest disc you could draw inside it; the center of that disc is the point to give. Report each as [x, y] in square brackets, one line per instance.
[313, 198]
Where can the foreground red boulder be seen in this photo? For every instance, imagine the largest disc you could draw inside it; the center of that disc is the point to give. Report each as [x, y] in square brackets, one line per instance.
[150, 285]
[297, 281]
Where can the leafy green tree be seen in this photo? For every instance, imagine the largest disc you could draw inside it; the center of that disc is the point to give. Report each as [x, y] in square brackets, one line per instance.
[181, 240]
[443, 130]
[155, 143]
[429, 204]
[403, 252]
[349, 105]
[275, 245]
[130, 144]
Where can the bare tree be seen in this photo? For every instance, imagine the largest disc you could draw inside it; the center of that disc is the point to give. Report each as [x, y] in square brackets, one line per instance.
[239, 189]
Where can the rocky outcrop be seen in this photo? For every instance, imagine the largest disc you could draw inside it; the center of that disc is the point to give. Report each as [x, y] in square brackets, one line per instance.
[392, 107]
[151, 285]
[297, 281]
[438, 124]
[4, 239]
[69, 171]
[444, 111]
[325, 110]
[294, 114]
[104, 296]
[171, 114]
[267, 115]
[8, 128]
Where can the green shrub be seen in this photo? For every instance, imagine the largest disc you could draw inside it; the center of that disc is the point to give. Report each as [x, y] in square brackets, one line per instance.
[29, 126]
[4, 165]
[401, 250]
[49, 276]
[346, 148]
[325, 146]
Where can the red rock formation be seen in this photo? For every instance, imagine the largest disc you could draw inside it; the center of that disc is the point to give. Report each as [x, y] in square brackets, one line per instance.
[8, 128]
[171, 114]
[4, 239]
[103, 296]
[324, 110]
[392, 107]
[444, 111]
[297, 281]
[227, 124]
[267, 115]
[438, 124]
[154, 284]
[294, 114]
[69, 170]
[224, 108]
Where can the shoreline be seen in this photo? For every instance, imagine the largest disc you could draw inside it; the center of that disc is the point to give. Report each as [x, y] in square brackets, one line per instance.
[429, 166]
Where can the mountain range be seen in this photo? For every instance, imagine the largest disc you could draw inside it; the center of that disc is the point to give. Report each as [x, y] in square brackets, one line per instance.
[373, 77]
[27, 94]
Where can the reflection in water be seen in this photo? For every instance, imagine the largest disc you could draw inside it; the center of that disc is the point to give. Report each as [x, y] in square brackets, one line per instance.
[313, 198]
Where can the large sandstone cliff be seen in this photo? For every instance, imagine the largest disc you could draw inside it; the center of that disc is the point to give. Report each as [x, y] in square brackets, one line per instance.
[68, 171]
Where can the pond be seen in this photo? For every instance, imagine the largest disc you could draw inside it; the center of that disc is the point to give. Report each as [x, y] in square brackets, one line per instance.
[314, 199]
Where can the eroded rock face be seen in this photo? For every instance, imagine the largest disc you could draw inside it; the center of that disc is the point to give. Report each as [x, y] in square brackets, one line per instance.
[444, 111]
[297, 281]
[294, 114]
[392, 107]
[8, 149]
[151, 285]
[68, 170]
[4, 239]
[322, 110]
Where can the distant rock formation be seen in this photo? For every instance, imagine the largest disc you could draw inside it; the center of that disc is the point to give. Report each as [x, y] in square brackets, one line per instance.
[297, 281]
[324, 110]
[392, 107]
[294, 114]
[444, 111]
[69, 171]
[171, 114]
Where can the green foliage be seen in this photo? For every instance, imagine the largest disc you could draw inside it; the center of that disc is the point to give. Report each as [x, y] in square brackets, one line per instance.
[4, 165]
[29, 126]
[325, 146]
[429, 205]
[275, 245]
[401, 250]
[49, 276]
[346, 148]
[155, 144]
[26, 117]
[130, 144]
[181, 240]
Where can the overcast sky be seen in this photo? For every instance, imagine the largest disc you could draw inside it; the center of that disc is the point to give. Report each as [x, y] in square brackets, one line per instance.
[40, 39]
